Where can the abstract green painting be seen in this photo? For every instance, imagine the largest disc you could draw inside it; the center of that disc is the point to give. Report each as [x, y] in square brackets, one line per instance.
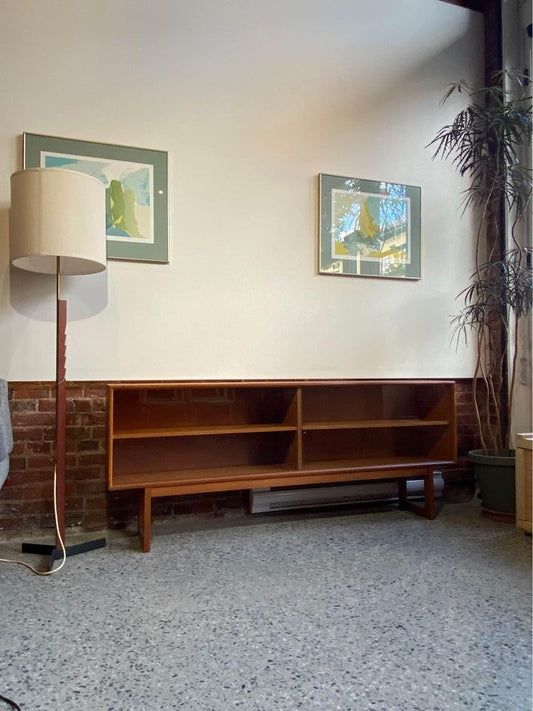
[136, 190]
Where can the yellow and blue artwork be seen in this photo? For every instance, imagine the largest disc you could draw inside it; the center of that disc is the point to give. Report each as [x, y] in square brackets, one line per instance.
[369, 228]
[135, 182]
[129, 192]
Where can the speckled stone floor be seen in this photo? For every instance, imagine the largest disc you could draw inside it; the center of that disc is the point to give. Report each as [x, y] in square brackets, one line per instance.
[383, 611]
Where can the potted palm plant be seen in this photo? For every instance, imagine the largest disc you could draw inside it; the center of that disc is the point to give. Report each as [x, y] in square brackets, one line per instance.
[487, 143]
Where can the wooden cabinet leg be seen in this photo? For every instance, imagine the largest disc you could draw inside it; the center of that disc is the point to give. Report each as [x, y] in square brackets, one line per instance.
[402, 493]
[145, 519]
[429, 496]
[427, 510]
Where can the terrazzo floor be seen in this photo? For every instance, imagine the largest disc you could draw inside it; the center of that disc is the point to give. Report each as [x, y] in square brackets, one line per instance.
[382, 611]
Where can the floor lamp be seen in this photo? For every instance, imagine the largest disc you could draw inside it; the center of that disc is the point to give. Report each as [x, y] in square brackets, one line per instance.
[57, 226]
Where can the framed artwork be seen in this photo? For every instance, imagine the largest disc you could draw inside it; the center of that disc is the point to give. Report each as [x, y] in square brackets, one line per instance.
[136, 190]
[368, 228]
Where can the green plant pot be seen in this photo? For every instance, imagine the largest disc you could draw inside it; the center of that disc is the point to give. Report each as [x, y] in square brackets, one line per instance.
[496, 480]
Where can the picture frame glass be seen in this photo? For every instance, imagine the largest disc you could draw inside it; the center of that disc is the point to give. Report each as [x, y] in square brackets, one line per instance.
[136, 190]
[369, 228]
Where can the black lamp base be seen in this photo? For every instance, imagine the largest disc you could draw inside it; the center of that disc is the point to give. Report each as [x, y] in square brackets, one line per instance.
[57, 554]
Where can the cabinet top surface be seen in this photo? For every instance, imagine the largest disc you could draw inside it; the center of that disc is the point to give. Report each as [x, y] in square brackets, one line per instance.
[524, 440]
[137, 385]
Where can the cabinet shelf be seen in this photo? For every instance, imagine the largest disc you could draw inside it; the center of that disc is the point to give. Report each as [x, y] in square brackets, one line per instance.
[208, 430]
[197, 431]
[202, 476]
[248, 473]
[372, 424]
[379, 464]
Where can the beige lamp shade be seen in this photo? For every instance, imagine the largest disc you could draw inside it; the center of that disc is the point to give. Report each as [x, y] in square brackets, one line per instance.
[57, 213]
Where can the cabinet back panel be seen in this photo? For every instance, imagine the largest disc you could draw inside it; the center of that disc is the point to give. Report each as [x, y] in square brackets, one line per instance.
[347, 444]
[367, 402]
[167, 454]
[433, 443]
[174, 407]
[376, 401]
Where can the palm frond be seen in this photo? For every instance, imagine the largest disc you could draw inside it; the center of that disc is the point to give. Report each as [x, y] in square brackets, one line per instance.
[485, 143]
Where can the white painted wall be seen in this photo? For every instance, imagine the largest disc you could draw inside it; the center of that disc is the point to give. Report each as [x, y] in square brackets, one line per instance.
[251, 100]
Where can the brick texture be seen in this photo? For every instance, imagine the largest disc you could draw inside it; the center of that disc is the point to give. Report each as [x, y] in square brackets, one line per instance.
[467, 431]
[26, 500]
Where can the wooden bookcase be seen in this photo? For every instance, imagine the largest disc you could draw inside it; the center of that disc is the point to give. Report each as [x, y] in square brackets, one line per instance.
[167, 439]
[524, 471]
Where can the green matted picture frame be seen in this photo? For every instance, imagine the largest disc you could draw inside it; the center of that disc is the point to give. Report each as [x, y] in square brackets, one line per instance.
[369, 228]
[136, 182]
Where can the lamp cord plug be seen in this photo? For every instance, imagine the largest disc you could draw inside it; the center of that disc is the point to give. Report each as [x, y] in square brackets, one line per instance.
[61, 542]
[11, 704]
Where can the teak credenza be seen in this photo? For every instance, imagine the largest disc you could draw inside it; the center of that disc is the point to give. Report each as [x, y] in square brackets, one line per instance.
[167, 439]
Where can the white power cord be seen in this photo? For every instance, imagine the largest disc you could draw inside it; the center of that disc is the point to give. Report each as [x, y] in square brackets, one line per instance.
[63, 550]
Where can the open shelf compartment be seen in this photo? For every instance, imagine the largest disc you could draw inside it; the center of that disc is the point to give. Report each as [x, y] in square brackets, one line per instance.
[163, 411]
[143, 462]
[377, 444]
[378, 402]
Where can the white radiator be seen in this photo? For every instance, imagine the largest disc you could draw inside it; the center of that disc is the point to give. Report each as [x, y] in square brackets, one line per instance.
[265, 500]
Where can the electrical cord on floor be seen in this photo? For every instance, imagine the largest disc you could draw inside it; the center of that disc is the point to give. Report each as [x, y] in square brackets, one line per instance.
[63, 550]
[12, 704]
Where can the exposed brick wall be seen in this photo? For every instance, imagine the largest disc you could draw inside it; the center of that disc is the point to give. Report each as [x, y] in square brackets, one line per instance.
[123, 507]
[26, 498]
[467, 437]
[493, 38]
